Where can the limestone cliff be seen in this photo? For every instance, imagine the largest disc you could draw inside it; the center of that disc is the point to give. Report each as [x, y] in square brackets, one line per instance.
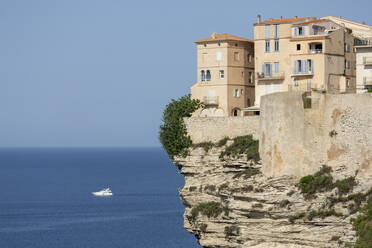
[247, 209]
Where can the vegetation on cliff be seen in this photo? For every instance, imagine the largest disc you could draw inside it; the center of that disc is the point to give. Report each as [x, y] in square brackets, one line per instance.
[322, 181]
[242, 145]
[210, 209]
[173, 134]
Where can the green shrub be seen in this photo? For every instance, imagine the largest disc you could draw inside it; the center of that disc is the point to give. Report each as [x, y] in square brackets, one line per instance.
[222, 142]
[297, 216]
[290, 193]
[210, 209]
[345, 186]
[247, 173]
[205, 145]
[192, 188]
[323, 213]
[210, 187]
[231, 231]
[323, 181]
[173, 134]
[363, 227]
[224, 186]
[369, 90]
[203, 227]
[283, 203]
[242, 145]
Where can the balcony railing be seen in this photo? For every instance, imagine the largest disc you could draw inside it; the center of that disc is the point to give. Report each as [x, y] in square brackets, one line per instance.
[367, 60]
[315, 50]
[358, 42]
[302, 73]
[273, 76]
[367, 80]
[210, 100]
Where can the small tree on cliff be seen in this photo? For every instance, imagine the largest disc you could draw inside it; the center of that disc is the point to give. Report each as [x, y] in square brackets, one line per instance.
[173, 134]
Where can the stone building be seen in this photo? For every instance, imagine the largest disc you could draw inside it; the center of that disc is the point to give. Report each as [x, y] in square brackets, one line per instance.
[225, 75]
[305, 53]
[364, 66]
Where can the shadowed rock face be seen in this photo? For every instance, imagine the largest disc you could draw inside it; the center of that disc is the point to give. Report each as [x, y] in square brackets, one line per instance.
[254, 210]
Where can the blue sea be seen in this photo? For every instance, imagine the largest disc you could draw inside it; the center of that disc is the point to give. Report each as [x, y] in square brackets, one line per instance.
[46, 200]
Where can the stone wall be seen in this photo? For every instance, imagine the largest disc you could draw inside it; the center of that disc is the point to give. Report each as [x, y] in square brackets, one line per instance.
[203, 129]
[336, 131]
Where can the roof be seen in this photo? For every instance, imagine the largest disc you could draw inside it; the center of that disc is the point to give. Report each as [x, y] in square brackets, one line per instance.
[310, 37]
[313, 21]
[223, 37]
[346, 20]
[287, 20]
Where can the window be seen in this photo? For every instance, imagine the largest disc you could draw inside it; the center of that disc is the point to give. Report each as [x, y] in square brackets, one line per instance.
[276, 30]
[276, 67]
[267, 27]
[202, 76]
[222, 74]
[267, 46]
[301, 31]
[250, 78]
[296, 82]
[309, 84]
[242, 74]
[347, 47]
[208, 76]
[315, 30]
[237, 93]
[219, 56]
[267, 70]
[276, 46]
[236, 56]
[348, 83]
[298, 47]
[310, 66]
[249, 57]
[347, 64]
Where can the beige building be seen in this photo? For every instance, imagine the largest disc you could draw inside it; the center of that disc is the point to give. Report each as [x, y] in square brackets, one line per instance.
[305, 54]
[364, 66]
[225, 75]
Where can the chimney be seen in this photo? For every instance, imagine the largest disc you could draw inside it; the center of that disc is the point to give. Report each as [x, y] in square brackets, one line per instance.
[214, 35]
[258, 18]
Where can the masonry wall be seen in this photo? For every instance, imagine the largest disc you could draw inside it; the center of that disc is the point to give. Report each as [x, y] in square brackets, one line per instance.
[336, 131]
[203, 129]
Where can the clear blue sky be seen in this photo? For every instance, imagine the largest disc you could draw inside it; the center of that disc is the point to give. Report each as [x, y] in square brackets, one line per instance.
[99, 72]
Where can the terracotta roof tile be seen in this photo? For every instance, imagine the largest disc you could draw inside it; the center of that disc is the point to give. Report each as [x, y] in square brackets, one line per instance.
[313, 21]
[223, 37]
[287, 20]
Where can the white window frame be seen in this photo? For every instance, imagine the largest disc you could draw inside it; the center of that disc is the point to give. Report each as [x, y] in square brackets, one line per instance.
[222, 74]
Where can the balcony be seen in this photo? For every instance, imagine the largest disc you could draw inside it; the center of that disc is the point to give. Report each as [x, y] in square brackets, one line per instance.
[268, 77]
[304, 73]
[210, 100]
[367, 60]
[359, 42]
[367, 80]
[315, 50]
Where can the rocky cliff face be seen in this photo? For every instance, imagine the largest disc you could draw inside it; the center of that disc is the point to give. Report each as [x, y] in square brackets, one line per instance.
[229, 203]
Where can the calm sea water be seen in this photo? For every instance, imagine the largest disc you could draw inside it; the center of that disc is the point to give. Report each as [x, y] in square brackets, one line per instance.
[46, 201]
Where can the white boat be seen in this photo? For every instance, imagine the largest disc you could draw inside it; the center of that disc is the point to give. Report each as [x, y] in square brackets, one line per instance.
[104, 192]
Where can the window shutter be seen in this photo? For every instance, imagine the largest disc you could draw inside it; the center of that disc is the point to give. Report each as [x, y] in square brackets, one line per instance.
[312, 66]
[305, 66]
[263, 68]
[295, 31]
[271, 70]
[303, 30]
[295, 67]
